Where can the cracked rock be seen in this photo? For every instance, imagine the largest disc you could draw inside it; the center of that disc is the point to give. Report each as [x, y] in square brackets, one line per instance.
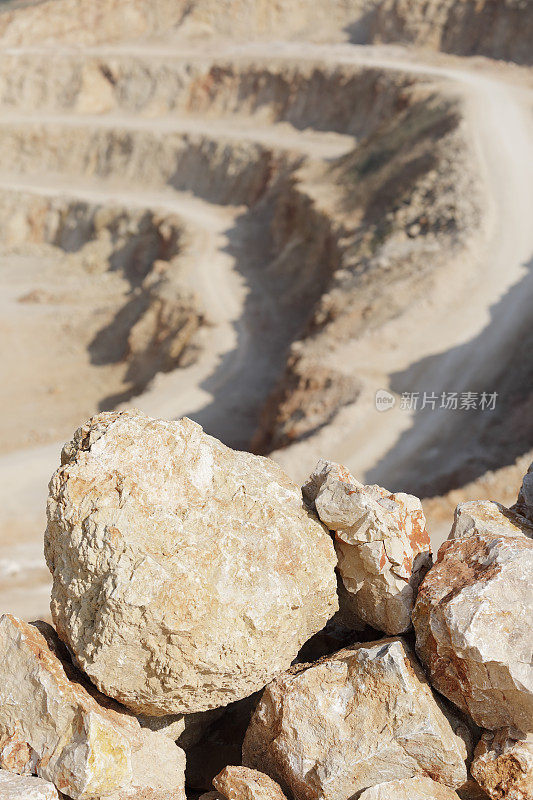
[366, 715]
[22, 787]
[185, 574]
[381, 542]
[485, 516]
[55, 725]
[503, 764]
[418, 788]
[473, 621]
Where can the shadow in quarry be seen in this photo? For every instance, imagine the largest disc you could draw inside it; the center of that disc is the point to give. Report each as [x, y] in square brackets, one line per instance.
[469, 442]
[360, 30]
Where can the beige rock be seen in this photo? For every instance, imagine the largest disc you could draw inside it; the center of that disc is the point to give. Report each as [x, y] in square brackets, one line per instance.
[363, 716]
[185, 574]
[485, 516]
[243, 783]
[524, 504]
[503, 764]
[55, 725]
[381, 542]
[473, 620]
[184, 729]
[22, 787]
[418, 788]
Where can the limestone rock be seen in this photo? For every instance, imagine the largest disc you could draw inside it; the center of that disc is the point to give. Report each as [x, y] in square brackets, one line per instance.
[524, 504]
[22, 787]
[381, 542]
[185, 574]
[55, 725]
[243, 783]
[473, 620]
[484, 516]
[503, 765]
[184, 729]
[418, 788]
[361, 717]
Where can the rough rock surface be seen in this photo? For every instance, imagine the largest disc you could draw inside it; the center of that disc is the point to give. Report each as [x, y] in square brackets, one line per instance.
[418, 788]
[485, 516]
[381, 542]
[243, 783]
[503, 765]
[361, 717]
[50, 725]
[184, 729]
[524, 504]
[185, 574]
[473, 620]
[22, 787]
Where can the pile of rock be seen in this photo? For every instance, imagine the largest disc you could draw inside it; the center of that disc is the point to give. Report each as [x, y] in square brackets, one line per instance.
[187, 577]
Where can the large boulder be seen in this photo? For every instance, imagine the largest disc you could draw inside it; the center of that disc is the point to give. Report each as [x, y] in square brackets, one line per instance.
[243, 783]
[503, 764]
[55, 725]
[473, 620]
[366, 715]
[418, 788]
[22, 787]
[381, 542]
[185, 574]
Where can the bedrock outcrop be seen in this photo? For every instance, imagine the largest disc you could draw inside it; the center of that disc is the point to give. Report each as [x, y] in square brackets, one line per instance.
[350, 721]
[418, 788]
[503, 764]
[22, 787]
[55, 725]
[473, 621]
[185, 574]
[381, 543]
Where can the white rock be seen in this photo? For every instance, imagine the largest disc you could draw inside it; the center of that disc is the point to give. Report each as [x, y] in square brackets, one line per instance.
[473, 620]
[381, 542]
[503, 764]
[185, 574]
[418, 788]
[484, 516]
[55, 725]
[22, 787]
[363, 716]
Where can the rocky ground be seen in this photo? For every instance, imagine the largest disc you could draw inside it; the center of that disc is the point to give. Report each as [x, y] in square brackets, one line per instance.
[220, 632]
[259, 217]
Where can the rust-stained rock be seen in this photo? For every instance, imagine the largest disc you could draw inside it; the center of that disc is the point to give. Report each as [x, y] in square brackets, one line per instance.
[54, 725]
[185, 574]
[485, 516]
[381, 542]
[473, 621]
[243, 783]
[329, 730]
[503, 764]
[23, 787]
[418, 788]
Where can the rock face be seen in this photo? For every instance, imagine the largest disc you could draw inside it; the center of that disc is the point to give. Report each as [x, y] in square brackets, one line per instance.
[524, 504]
[50, 725]
[418, 788]
[21, 787]
[381, 542]
[242, 783]
[503, 765]
[473, 620]
[361, 717]
[185, 574]
[484, 516]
